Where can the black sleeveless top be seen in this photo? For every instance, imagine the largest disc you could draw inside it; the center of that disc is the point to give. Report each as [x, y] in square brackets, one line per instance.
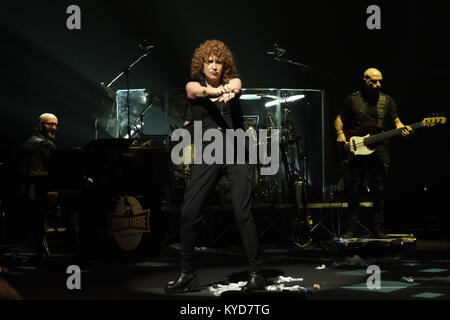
[217, 114]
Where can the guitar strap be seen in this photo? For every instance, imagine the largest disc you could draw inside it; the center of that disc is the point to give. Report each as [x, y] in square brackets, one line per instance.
[381, 108]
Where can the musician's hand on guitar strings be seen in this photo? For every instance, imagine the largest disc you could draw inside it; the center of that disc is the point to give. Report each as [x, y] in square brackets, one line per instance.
[406, 131]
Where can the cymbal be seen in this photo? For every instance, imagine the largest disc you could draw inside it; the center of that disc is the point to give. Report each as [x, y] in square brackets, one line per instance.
[179, 108]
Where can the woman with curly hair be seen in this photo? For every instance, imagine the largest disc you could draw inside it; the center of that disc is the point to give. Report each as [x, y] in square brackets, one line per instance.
[214, 99]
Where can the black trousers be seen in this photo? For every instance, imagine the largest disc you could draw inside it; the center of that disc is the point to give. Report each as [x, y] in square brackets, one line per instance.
[366, 176]
[203, 180]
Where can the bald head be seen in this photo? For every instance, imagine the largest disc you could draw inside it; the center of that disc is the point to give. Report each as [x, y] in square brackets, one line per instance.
[372, 73]
[48, 124]
[47, 117]
[372, 79]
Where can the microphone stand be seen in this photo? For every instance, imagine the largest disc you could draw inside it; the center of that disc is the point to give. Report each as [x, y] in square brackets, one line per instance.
[147, 51]
[304, 66]
[126, 72]
[142, 116]
[278, 56]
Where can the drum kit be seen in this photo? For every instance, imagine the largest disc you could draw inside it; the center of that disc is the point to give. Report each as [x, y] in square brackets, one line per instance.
[268, 188]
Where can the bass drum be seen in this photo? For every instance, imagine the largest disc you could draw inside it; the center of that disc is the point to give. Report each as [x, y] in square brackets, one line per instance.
[121, 226]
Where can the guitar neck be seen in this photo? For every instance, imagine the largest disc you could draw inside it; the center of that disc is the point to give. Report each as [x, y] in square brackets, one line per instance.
[389, 134]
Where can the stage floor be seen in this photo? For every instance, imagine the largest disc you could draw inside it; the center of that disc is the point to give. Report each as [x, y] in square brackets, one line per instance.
[328, 273]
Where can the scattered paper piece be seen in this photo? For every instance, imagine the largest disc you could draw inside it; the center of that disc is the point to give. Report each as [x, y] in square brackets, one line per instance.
[320, 267]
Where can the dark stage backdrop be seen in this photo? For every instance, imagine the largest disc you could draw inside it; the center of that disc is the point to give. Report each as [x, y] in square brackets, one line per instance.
[48, 68]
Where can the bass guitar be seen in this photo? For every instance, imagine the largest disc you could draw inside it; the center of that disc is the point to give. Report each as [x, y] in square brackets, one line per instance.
[362, 142]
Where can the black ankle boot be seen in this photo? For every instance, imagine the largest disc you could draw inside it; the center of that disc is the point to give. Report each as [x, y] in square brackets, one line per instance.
[186, 282]
[255, 282]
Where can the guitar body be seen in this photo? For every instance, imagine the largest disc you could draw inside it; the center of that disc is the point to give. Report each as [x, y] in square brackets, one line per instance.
[357, 146]
[356, 140]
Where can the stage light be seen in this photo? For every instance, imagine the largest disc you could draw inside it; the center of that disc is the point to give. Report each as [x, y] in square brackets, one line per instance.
[284, 100]
[257, 96]
[250, 97]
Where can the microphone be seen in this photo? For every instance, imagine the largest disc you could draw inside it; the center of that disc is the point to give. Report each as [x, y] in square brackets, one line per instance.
[276, 51]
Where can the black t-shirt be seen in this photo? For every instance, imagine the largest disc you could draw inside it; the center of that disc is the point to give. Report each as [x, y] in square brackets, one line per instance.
[359, 111]
[36, 162]
[217, 114]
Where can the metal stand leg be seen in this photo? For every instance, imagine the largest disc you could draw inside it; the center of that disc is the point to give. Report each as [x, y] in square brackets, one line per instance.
[47, 250]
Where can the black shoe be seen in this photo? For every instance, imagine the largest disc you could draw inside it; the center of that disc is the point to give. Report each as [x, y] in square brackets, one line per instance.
[186, 282]
[255, 282]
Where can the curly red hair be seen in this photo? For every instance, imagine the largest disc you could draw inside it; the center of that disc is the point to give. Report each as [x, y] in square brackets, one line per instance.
[218, 49]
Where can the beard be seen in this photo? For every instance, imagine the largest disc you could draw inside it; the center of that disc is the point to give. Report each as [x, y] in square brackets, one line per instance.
[50, 135]
[372, 91]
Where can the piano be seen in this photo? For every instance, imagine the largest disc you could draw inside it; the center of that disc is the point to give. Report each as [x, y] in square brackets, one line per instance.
[105, 171]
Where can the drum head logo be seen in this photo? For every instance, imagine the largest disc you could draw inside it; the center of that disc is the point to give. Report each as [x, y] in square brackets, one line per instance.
[128, 223]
